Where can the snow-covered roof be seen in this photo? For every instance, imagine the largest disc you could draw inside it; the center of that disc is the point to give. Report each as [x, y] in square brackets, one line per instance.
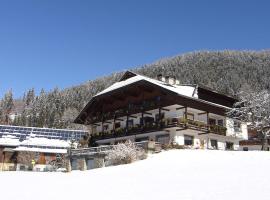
[42, 150]
[185, 90]
[9, 140]
[45, 142]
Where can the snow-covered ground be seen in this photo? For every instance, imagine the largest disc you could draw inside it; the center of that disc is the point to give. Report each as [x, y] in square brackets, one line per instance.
[171, 175]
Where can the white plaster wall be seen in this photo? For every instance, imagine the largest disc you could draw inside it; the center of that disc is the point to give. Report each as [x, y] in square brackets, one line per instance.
[180, 140]
[229, 126]
[244, 129]
[243, 134]
[222, 141]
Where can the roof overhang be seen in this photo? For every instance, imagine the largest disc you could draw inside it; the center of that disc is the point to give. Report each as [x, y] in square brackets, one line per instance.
[182, 99]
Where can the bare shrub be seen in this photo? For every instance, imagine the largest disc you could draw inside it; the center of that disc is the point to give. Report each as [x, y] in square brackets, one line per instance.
[124, 153]
[26, 158]
[59, 162]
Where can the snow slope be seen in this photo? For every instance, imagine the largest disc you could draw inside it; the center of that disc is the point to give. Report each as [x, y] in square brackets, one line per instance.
[171, 175]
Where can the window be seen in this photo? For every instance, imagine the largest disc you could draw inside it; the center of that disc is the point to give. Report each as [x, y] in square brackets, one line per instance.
[237, 126]
[163, 139]
[229, 146]
[245, 148]
[214, 144]
[188, 140]
[74, 164]
[147, 120]
[105, 127]
[212, 121]
[117, 125]
[130, 123]
[220, 122]
[190, 116]
[157, 116]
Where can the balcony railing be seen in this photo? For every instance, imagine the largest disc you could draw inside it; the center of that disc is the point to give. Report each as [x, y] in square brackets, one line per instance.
[165, 123]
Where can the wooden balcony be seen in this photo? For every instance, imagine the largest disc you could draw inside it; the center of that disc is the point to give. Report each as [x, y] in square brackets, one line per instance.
[195, 125]
[159, 126]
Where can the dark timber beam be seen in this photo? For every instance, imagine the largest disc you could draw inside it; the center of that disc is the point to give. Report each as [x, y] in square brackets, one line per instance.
[203, 133]
[180, 108]
[95, 124]
[119, 120]
[147, 113]
[180, 129]
[203, 113]
[165, 109]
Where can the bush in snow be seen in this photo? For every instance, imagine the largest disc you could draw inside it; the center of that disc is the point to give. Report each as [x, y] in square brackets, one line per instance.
[124, 153]
[60, 162]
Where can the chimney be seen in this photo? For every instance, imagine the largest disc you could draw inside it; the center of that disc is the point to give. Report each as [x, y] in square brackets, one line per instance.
[168, 79]
[159, 77]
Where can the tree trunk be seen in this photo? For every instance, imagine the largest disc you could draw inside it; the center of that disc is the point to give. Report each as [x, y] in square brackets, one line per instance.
[265, 141]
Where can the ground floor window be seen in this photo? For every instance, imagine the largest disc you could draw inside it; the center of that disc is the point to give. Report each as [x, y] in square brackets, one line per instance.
[117, 125]
[229, 146]
[188, 140]
[245, 148]
[214, 144]
[130, 123]
[90, 163]
[163, 139]
[74, 164]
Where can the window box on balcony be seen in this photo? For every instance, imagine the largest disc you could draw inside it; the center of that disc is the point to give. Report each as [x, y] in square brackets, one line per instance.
[119, 132]
[135, 129]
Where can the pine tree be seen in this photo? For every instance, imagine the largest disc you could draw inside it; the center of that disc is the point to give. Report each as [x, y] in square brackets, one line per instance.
[6, 106]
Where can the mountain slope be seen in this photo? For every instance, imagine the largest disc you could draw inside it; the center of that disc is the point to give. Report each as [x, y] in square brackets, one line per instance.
[225, 71]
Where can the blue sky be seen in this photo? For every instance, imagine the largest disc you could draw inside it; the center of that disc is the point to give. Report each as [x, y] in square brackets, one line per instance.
[49, 43]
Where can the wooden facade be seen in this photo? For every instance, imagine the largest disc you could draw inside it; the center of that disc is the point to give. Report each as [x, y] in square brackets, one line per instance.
[141, 97]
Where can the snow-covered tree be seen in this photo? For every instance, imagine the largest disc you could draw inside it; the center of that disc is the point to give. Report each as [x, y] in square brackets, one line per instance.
[29, 97]
[7, 104]
[254, 108]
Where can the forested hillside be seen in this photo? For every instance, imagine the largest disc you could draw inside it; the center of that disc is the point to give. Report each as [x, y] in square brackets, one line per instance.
[225, 71]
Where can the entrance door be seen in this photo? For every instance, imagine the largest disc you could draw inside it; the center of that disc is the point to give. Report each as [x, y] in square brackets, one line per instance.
[214, 144]
[188, 140]
[229, 146]
[90, 164]
[74, 164]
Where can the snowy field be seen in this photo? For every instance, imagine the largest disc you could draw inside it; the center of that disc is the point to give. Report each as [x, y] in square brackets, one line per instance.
[171, 175]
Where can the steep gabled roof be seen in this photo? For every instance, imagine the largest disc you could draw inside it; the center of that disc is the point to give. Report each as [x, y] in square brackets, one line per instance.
[186, 91]
[131, 77]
